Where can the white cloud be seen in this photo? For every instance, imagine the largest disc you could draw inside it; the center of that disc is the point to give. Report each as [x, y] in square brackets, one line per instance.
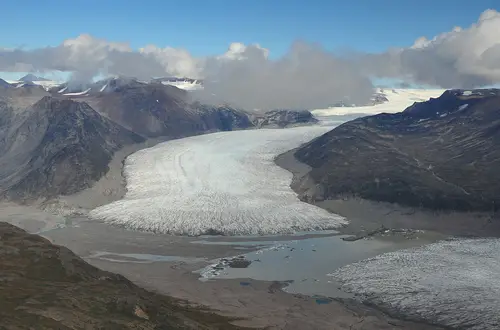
[462, 57]
[306, 77]
[177, 62]
[238, 51]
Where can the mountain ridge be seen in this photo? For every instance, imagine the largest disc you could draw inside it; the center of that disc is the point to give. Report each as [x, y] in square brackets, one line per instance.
[439, 154]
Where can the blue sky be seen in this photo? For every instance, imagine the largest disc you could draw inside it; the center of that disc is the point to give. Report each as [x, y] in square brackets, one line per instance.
[208, 27]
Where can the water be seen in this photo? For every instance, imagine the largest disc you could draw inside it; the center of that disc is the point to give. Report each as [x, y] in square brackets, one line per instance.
[141, 258]
[304, 263]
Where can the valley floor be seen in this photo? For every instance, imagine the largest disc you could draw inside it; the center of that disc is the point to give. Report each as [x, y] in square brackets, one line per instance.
[167, 263]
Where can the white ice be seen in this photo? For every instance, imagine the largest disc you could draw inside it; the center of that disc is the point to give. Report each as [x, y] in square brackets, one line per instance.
[78, 93]
[463, 107]
[225, 182]
[186, 85]
[454, 283]
[398, 100]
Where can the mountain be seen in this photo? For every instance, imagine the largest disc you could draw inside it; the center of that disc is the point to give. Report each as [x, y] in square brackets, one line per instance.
[57, 146]
[4, 84]
[156, 109]
[283, 118]
[439, 154]
[44, 286]
[31, 78]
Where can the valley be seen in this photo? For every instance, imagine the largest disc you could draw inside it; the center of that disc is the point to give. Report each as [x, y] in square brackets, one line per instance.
[183, 206]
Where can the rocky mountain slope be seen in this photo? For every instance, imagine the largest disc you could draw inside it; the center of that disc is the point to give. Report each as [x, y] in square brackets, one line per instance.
[155, 109]
[44, 286]
[439, 154]
[283, 118]
[4, 84]
[57, 146]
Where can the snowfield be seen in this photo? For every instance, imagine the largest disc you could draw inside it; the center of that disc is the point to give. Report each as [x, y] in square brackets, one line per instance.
[217, 183]
[185, 85]
[452, 283]
[398, 100]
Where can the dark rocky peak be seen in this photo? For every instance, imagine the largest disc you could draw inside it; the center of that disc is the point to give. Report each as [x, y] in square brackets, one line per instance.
[52, 105]
[284, 118]
[31, 77]
[4, 84]
[62, 146]
[119, 83]
[379, 98]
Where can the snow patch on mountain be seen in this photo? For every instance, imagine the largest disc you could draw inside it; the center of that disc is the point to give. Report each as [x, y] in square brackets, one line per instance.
[78, 93]
[217, 183]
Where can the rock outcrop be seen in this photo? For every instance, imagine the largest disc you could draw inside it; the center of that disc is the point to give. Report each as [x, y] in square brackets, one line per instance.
[283, 118]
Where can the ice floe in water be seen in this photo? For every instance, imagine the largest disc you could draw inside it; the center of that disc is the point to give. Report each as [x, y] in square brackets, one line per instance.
[217, 183]
[453, 283]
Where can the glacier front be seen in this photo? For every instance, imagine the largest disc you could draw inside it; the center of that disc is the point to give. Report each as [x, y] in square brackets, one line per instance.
[452, 283]
[225, 183]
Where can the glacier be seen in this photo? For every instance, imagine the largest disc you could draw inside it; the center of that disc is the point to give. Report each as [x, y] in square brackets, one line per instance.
[452, 283]
[398, 99]
[224, 183]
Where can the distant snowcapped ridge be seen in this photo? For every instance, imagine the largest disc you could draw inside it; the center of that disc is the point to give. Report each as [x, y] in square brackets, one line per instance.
[72, 88]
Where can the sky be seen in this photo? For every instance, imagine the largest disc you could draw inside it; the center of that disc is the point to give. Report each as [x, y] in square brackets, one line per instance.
[259, 53]
[208, 27]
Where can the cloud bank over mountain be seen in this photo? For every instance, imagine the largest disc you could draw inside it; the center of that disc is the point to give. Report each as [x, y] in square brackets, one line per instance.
[307, 76]
[463, 57]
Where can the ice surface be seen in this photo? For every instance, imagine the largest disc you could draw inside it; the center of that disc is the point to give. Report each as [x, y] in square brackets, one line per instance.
[79, 93]
[453, 283]
[398, 100]
[186, 85]
[223, 182]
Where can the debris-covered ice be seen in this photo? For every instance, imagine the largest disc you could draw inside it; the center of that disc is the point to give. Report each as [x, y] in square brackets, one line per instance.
[221, 183]
[453, 283]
